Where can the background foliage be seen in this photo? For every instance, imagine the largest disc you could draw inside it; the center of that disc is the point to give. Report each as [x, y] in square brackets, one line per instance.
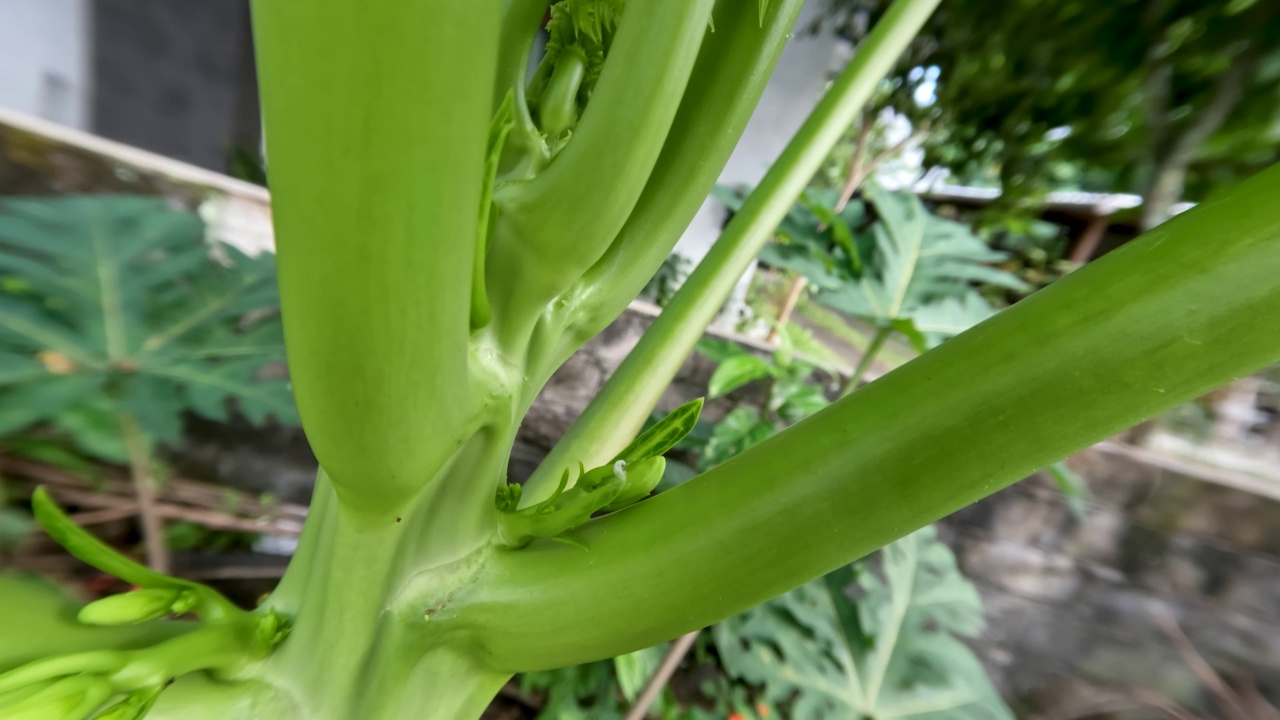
[116, 305]
[1166, 98]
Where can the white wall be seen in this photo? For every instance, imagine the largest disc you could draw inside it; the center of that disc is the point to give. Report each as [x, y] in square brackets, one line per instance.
[44, 59]
[797, 83]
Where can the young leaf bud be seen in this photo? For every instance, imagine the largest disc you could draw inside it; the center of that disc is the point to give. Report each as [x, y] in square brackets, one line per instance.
[136, 606]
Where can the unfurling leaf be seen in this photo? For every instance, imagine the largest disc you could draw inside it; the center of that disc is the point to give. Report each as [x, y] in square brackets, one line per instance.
[664, 435]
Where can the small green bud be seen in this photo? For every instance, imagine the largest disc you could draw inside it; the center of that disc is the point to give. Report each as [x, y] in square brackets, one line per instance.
[137, 606]
[595, 477]
[562, 512]
[508, 498]
[641, 478]
[272, 629]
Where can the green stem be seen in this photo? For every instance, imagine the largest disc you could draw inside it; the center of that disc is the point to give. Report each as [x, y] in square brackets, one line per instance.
[616, 414]
[552, 228]
[1159, 322]
[144, 487]
[868, 357]
[376, 234]
[520, 21]
[734, 65]
[372, 601]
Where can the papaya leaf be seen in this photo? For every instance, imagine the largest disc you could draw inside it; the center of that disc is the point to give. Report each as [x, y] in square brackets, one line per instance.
[117, 305]
[948, 317]
[735, 372]
[919, 260]
[894, 653]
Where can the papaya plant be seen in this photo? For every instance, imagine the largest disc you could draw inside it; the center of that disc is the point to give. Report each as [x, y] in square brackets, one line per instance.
[889, 261]
[896, 653]
[448, 235]
[116, 317]
[889, 651]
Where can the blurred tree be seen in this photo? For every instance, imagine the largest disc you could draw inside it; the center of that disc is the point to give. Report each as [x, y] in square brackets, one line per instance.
[1165, 98]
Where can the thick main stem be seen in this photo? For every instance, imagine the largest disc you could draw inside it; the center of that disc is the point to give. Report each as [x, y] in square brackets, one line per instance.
[371, 635]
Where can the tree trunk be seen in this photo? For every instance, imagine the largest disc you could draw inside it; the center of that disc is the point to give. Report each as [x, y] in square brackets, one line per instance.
[1168, 182]
[1173, 152]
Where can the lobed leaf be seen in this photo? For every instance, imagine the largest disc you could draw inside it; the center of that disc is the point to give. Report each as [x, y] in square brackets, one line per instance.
[894, 652]
[117, 305]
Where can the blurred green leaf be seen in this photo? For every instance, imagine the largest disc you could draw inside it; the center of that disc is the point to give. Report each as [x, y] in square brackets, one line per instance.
[36, 400]
[949, 317]
[735, 372]
[1073, 487]
[800, 340]
[895, 652]
[794, 398]
[739, 430]
[920, 260]
[635, 669]
[117, 305]
[718, 350]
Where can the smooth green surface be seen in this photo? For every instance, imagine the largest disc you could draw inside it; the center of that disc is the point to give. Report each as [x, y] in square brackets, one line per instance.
[376, 169]
[733, 67]
[1158, 322]
[552, 228]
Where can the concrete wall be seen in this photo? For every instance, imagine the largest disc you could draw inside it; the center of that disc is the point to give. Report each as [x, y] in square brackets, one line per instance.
[796, 86]
[44, 59]
[175, 78]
